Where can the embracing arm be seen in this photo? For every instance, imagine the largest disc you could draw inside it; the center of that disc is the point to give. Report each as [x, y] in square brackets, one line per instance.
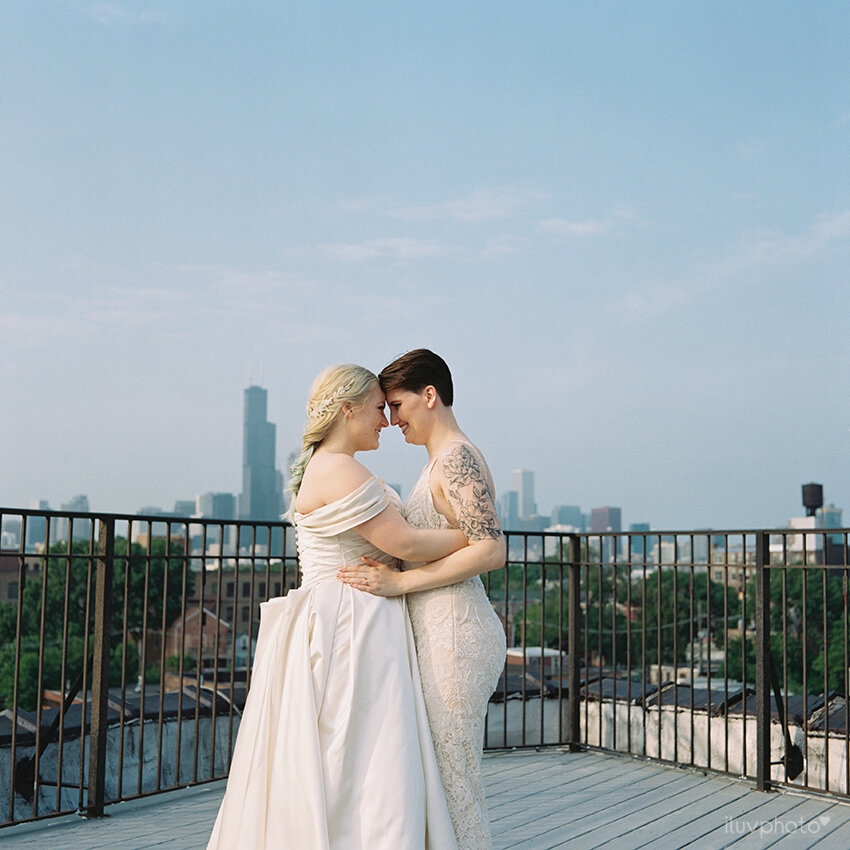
[391, 534]
[467, 490]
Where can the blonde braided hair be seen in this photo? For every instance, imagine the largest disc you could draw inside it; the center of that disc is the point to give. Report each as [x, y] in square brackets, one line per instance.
[332, 388]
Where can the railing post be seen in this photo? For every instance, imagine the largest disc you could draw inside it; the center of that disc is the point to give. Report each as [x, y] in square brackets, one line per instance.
[574, 613]
[100, 666]
[762, 580]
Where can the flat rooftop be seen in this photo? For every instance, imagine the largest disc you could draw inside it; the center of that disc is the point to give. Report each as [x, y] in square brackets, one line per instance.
[538, 799]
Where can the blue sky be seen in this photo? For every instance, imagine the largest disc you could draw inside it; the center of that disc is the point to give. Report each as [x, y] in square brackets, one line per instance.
[626, 225]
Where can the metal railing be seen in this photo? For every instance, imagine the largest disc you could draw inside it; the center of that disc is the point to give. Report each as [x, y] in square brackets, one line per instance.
[139, 630]
[723, 650]
[127, 643]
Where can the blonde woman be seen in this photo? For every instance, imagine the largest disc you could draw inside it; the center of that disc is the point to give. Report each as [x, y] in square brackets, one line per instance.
[334, 749]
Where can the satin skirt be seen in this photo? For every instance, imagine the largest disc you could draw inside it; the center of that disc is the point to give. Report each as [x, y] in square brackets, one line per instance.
[334, 750]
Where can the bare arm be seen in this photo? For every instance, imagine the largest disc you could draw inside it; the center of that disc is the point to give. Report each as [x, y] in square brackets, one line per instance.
[391, 534]
[466, 488]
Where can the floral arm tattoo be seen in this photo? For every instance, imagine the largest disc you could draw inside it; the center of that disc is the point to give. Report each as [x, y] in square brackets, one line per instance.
[468, 493]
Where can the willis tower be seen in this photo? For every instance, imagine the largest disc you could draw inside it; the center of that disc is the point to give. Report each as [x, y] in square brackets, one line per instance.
[261, 497]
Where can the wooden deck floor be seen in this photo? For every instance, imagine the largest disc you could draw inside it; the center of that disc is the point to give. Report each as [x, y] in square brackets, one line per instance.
[537, 800]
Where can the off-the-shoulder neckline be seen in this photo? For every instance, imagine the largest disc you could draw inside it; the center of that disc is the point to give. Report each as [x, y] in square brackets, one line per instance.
[353, 493]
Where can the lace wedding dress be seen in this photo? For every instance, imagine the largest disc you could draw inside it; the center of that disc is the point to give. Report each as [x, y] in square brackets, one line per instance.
[334, 750]
[460, 645]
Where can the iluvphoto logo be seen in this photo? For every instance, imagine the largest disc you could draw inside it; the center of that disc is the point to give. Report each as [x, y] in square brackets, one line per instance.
[776, 826]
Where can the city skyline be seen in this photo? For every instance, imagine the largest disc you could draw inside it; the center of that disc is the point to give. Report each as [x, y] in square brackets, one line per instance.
[262, 498]
[626, 227]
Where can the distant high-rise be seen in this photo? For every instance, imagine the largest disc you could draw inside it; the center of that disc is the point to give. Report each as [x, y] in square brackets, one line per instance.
[568, 515]
[522, 482]
[82, 527]
[508, 510]
[605, 519]
[216, 505]
[260, 497]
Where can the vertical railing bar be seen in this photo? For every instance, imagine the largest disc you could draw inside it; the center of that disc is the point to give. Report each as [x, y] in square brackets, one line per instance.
[573, 639]
[22, 573]
[725, 565]
[805, 642]
[148, 561]
[846, 676]
[561, 638]
[785, 622]
[614, 574]
[824, 578]
[629, 566]
[658, 585]
[100, 667]
[216, 651]
[542, 631]
[524, 642]
[675, 648]
[233, 642]
[692, 637]
[180, 669]
[643, 646]
[253, 562]
[86, 705]
[744, 646]
[599, 656]
[125, 634]
[586, 623]
[60, 743]
[202, 595]
[511, 632]
[40, 690]
[709, 702]
[163, 626]
[762, 589]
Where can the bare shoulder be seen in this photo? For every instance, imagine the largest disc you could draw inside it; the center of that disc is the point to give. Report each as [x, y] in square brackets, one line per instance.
[329, 476]
[466, 483]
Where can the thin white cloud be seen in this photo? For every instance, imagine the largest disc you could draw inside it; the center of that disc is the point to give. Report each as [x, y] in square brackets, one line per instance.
[481, 205]
[578, 229]
[390, 248]
[506, 244]
[770, 248]
[638, 307]
[156, 298]
[119, 14]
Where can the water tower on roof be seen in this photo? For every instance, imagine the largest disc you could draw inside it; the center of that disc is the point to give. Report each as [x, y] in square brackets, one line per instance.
[812, 498]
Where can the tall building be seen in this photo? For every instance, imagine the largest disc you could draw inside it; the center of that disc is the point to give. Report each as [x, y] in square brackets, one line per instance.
[522, 483]
[216, 505]
[260, 497]
[508, 510]
[605, 519]
[568, 515]
[82, 527]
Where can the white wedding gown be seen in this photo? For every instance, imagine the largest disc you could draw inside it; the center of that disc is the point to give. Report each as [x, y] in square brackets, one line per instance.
[460, 646]
[334, 750]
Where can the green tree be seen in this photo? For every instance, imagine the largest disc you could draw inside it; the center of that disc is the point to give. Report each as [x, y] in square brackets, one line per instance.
[65, 574]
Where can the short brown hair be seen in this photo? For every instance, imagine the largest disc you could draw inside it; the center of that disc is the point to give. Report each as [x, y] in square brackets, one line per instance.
[416, 370]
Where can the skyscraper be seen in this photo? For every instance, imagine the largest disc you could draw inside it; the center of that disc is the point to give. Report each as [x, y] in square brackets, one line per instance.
[522, 482]
[260, 497]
